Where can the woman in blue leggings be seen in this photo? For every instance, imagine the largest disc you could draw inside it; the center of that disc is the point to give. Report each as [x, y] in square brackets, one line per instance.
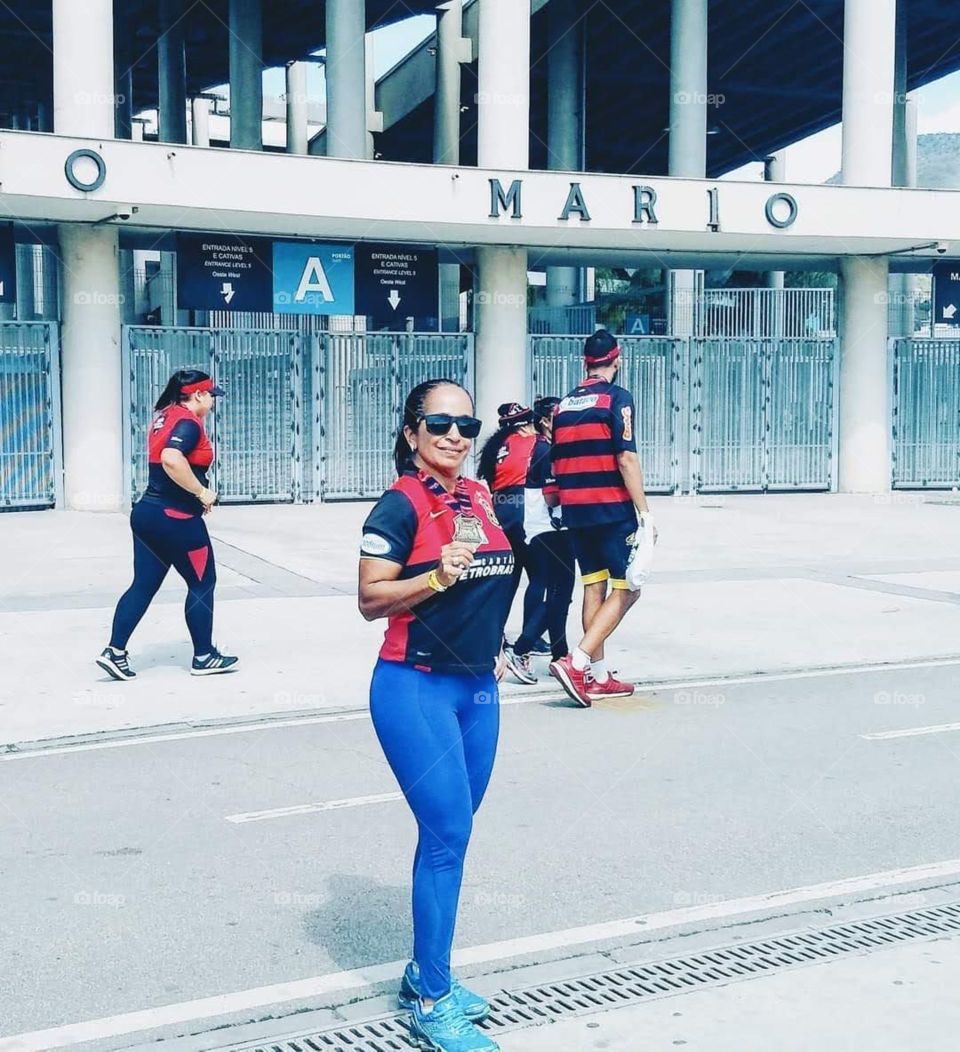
[435, 562]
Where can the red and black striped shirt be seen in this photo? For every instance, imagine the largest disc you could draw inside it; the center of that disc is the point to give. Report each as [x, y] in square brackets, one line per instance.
[593, 424]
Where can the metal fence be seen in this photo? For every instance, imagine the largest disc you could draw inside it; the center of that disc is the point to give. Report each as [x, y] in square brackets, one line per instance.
[30, 443]
[307, 416]
[795, 313]
[926, 413]
[763, 414]
[718, 414]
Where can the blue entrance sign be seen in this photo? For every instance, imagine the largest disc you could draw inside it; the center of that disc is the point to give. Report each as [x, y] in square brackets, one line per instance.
[637, 325]
[312, 278]
[946, 306]
[8, 265]
[223, 272]
[396, 282]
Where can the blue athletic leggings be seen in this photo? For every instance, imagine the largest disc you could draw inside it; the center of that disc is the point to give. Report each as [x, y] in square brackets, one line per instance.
[439, 734]
[164, 537]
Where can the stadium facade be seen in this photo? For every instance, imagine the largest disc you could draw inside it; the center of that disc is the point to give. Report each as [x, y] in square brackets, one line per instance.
[550, 136]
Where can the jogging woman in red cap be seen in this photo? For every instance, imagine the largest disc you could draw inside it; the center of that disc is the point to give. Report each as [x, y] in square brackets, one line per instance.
[168, 527]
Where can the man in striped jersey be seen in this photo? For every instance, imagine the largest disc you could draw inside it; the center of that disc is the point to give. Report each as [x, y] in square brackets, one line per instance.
[598, 472]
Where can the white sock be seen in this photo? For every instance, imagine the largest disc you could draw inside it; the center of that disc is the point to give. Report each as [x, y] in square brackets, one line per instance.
[599, 670]
[201, 657]
[117, 652]
[581, 659]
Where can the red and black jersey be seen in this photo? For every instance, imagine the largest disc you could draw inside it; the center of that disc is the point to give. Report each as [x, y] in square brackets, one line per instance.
[592, 425]
[510, 477]
[176, 427]
[461, 629]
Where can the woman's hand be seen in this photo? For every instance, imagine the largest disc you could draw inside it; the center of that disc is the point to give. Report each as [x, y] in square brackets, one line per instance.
[455, 560]
[207, 498]
[501, 667]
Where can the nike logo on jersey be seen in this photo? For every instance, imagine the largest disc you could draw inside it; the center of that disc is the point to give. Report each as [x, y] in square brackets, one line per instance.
[434, 514]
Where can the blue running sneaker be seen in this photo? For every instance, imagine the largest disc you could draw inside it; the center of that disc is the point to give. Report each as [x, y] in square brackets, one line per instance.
[446, 1029]
[473, 1006]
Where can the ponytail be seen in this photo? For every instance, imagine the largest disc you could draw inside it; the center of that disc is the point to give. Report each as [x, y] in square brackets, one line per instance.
[173, 393]
[487, 467]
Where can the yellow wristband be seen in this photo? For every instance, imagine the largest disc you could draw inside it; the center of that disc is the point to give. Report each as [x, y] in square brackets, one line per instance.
[433, 581]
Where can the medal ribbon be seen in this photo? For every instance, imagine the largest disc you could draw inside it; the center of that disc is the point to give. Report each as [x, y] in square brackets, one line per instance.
[458, 501]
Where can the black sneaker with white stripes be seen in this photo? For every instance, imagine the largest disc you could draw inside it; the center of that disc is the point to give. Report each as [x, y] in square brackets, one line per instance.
[115, 662]
[213, 664]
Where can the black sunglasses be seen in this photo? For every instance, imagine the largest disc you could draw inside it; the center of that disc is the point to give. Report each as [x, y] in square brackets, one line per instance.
[440, 424]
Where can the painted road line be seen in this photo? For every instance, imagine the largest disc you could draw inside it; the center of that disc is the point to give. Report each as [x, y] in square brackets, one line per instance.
[912, 732]
[310, 809]
[569, 938]
[272, 722]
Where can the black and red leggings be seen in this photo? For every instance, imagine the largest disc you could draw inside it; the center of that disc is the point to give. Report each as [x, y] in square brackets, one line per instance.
[165, 537]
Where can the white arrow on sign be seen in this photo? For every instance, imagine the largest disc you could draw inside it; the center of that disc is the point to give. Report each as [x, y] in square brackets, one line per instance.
[1, 288]
[227, 291]
[394, 299]
[949, 311]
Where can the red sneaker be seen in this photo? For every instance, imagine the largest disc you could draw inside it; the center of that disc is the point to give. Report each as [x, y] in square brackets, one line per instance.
[575, 682]
[610, 688]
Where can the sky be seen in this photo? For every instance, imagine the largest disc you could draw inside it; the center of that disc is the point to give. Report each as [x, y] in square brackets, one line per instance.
[812, 160]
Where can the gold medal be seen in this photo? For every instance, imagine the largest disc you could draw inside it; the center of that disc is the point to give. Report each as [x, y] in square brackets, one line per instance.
[467, 530]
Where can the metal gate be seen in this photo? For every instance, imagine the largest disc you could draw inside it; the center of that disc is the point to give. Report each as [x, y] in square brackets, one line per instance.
[764, 414]
[307, 416]
[255, 428]
[718, 414]
[651, 371]
[30, 442]
[359, 386]
[926, 413]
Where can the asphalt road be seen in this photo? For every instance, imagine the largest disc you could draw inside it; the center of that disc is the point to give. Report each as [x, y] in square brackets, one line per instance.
[129, 883]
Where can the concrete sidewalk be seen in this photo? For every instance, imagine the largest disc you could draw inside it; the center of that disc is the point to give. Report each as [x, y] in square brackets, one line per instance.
[896, 1000]
[743, 584]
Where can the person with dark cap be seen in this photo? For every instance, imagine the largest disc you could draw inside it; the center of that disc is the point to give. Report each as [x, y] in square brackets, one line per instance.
[504, 461]
[601, 499]
[550, 564]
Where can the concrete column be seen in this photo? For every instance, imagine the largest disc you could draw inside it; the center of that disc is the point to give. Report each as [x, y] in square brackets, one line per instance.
[83, 71]
[565, 106]
[297, 130]
[775, 171]
[452, 50]
[172, 73]
[501, 320]
[92, 420]
[373, 121]
[83, 105]
[688, 131]
[246, 75]
[503, 140]
[869, 36]
[864, 465]
[503, 85]
[346, 79]
[200, 123]
[904, 173]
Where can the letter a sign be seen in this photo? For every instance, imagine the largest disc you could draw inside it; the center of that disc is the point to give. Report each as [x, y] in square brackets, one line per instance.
[312, 278]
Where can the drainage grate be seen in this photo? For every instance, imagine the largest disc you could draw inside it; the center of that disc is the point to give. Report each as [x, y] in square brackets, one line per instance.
[628, 986]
